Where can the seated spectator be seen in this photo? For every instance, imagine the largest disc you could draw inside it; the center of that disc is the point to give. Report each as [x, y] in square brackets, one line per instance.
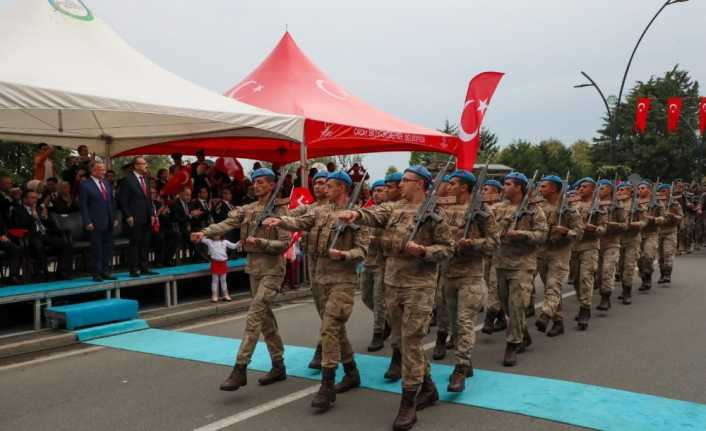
[166, 240]
[181, 219]
[5, 198]
[200, 210]
[35, 186]
[50, 188]
[16, 196]
[65, 202]
[43, 166]
[221, 208]
[12, 251]
[41, 233]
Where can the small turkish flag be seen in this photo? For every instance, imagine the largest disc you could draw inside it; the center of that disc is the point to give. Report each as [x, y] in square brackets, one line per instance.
[702, 115]
[674, 105]
[300, 196]
[230, 167]
[480, 91]
[177, 182]
[641, 111]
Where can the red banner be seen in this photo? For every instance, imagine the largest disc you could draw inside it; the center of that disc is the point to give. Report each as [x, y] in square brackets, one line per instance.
[674, 105]
[299, 196]
[641, 111]
[702, 115]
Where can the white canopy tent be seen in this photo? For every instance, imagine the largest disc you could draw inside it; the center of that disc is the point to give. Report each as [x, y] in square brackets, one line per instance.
[67, 79]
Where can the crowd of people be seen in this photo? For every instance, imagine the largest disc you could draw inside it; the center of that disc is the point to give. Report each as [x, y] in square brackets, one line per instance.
[476, 247]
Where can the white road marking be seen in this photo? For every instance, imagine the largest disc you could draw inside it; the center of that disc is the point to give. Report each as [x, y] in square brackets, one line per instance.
[258, 410]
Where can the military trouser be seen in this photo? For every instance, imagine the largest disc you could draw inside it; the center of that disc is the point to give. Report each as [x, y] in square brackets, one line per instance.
[409, 311]
[630, 253]
[607, 265]
[686, 233]
[554, 271]
[465, 297]
[586, 262]
[648, 253]
[337, 303]
[443, 323]
[260, 319]
[491, 281]
[667, 249]
[315, 287]
[514, 291]
[373, 296]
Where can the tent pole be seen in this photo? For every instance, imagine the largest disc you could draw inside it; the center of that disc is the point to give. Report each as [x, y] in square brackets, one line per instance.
[304, 171]
[108, 162]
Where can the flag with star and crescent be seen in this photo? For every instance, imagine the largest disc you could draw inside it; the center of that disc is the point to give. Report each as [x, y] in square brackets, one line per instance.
[674, 105]
[702, 115]
[642, 110]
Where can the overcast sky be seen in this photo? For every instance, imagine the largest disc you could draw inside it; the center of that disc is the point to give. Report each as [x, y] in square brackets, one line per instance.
[414, 58]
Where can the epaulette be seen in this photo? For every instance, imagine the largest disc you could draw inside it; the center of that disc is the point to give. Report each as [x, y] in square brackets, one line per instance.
[446, 200]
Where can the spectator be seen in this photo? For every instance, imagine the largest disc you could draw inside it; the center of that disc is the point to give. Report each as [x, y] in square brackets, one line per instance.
[287, 186]
[64, 203]
[181, 218]
[200, 210]
[310, 181]
[97, 214]
[5, 198]
[166, 239]
[356, 173]
[201, 178]
[223, 206]
[43, 166]
[200, 160]
[256, 166]
[178, 163]
[136, 204]
[331, 167]
[40, 233]
[162, 179]
[50, 187]
[12, 251]
[69, 173]
[110, 179]
[16, 196]
[85, 159]
[35, 186]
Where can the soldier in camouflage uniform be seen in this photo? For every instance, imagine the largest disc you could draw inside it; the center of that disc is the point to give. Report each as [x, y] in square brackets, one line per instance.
[411, 272]
[616, 223]
[517, 260]
[495, 319]
[337, 278]
[464, 286]
[371, 286]
[686, 231]
[631, 238]
[440, 317]
[586, 250]
[668, 233]
[554, 256]
[650, 235]
[265, 249]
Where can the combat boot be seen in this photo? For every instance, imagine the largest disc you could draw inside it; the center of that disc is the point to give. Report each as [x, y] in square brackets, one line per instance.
[583, 317]
[428, 395]
[627, 295]
[351, 379]
[394, 371]
[605, 302]
[488, 324]
[276, 374]
[501, 321]
[526, 341]
[646, 283]
[315, 363]
[376, 343]
[407, 415]
[557, 329]
[457, 381]
[451, 343]
[327, 392]
[542, 322]
[510, 359]
[665, 276]
[238, 378]
[440, 347]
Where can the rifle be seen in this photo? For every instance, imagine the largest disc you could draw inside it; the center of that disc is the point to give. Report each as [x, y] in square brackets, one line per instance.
[614, 201]
[522, 208]
[595, 204]
[426, 210]
[563, 201]
[269, 209]
[634, 208]
[671, 196]
[654, 203]
[340, 226]
[476, 202]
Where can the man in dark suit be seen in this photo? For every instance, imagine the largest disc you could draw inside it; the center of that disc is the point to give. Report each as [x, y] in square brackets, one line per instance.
[96, 203]
[136, 204]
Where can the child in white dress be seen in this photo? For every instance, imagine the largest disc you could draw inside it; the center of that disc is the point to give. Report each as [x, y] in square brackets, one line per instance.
[218, 252]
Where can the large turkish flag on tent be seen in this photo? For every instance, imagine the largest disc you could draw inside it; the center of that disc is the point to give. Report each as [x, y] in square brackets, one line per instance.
[674, 105]
[642, 110]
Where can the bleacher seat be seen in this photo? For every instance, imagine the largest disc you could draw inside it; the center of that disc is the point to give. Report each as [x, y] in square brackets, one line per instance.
[92, 313]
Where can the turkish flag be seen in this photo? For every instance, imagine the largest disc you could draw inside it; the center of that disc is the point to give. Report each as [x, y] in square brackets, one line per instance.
[480, 92]
[702, 115]
[674, 105]
[300, 196]
[641, 111]
[176, 183]
[230, 167]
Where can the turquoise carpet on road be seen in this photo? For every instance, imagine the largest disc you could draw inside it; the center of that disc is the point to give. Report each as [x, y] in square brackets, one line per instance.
[556, 400]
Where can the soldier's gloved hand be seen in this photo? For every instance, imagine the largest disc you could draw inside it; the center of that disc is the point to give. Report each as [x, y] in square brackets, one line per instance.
[252, 241]
[515, 235]
[560, 230]
[590, 228]
[197, 236]
[635, 225]
[336, 254]
[347, 216]
[271, 222]
[464, 244]
[415, 249]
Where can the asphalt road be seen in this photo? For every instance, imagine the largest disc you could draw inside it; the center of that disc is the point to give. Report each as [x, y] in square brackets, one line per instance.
[655, 346]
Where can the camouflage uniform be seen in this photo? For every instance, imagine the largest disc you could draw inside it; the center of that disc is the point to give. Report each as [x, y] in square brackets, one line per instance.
[630, 244]
[490, 274]
[686, 232]
[554, 256]
[516, 262]
[585, 254]
[668, 238]
[648, 249]
[610, 247]
[309, 249]
[265, 266]
[465, 288]
[371, 285]
[410, 281]
[444, 323]
[336, 280]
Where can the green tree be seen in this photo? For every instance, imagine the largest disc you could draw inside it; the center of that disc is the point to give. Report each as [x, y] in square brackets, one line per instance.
[488, 150]
[17, 160]
[155, 163]
[391, 170]
[581, 158]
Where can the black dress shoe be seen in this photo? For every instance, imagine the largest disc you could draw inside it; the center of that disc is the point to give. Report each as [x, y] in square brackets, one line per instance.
[106, 276]
[97, 278]
[148, 272]
[134, 273]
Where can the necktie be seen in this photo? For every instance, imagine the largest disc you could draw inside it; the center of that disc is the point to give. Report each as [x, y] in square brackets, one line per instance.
[103, 191]
[142, 184]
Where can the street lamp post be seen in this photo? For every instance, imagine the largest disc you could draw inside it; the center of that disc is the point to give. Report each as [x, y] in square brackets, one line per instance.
[613, 114]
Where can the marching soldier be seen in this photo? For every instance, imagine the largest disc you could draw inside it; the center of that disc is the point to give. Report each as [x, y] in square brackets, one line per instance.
[440, 316]
[586, 249]
[523, 233]
[565, 228]
[650, 234]
[495, 319]
[371, 286]
[336, 278]
[668, 232]
[464, 285]
[265, 249]
[616, 223]
[631, 239]
[411, 271]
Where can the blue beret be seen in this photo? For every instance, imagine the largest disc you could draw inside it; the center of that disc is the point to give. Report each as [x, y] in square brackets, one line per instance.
[645, 183]
[378, 183]
[517, 176]
[586, 180]
[624, 184]
[494, 183]
[394, 177]
[464, 175]
[554, 179]
[262, 172]
[605, 182]
[446, 178]
[340, 176]
[421, 171]
[664, 186]
[321, 174]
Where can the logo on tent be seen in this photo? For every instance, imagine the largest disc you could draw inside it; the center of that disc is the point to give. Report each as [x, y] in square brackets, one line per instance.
[73, 8]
